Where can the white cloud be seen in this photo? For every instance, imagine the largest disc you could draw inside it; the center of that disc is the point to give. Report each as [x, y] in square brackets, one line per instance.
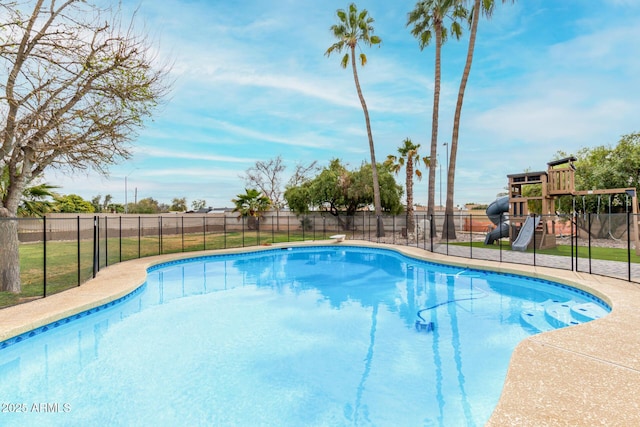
[175, 154]
[252, 82]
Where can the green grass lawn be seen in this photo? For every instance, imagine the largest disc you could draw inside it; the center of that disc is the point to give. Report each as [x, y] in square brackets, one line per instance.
[67, 265]
[606, 254]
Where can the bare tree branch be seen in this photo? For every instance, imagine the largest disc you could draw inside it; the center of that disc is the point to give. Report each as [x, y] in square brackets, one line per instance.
[303, 173]
[76, 84]
[266, 176]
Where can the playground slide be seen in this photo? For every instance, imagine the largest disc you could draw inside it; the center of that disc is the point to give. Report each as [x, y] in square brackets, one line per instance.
[526, 234]
[496, 211]
[497, 233]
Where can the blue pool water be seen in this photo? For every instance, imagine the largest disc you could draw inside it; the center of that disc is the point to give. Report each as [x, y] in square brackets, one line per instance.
[322, 336]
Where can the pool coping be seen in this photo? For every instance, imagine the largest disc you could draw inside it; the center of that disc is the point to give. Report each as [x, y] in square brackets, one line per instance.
[581, 375]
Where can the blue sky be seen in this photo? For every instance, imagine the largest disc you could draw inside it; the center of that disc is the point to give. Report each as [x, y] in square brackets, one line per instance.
[251, 82]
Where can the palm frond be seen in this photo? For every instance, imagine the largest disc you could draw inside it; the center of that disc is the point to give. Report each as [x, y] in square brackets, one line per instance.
[345, 61]
[355, 27]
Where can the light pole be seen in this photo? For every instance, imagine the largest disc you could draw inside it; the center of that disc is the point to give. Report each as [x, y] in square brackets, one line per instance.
[126, 207]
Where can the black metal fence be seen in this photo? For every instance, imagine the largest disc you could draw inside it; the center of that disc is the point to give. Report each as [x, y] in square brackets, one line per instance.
[59, 253]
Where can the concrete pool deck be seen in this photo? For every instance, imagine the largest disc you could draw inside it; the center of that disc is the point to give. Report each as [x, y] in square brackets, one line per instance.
[581, 375]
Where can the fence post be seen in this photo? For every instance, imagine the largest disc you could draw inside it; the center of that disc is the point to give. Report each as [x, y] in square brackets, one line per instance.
[577, 247]
[470, 233]
[95, 246]
[574, 236]
[204, 233]
[44, 256]
[629, 245]
[416, 235]
[139, 236]
[120, 234]
[78, 254]
[446, 228]
[182, 230]
[534, 239]
[431, 230]
[589, 241]
[424, 232]
[500, 234]
[393, 230]
[243, 231]
[160, 235]
[106, 242]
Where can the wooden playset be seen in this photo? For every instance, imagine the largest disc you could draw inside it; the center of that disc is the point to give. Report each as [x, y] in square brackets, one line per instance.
[558, 180]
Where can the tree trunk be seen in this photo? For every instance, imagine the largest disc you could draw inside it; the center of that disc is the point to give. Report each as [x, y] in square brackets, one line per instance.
[411, 222]
[434, 130]
[449, 227]
[252, 223]
[9, 255]
[374, 167]
[348, 222]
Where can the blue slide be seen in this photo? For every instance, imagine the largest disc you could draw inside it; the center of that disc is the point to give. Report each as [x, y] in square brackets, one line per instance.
[497, 213]
[526, 234]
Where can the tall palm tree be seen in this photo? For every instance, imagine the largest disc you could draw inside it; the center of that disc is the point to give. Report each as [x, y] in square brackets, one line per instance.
[408, 152]
[252, 204]
[486, 7]
[428, 19]
[355, 27]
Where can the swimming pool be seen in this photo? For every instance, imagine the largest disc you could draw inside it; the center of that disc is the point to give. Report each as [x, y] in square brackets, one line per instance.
[308, 336]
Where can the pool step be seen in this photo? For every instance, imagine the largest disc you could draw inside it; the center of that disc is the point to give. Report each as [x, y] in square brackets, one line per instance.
[554, 314]
[558, 314]
[535, 318]
[588, 311]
